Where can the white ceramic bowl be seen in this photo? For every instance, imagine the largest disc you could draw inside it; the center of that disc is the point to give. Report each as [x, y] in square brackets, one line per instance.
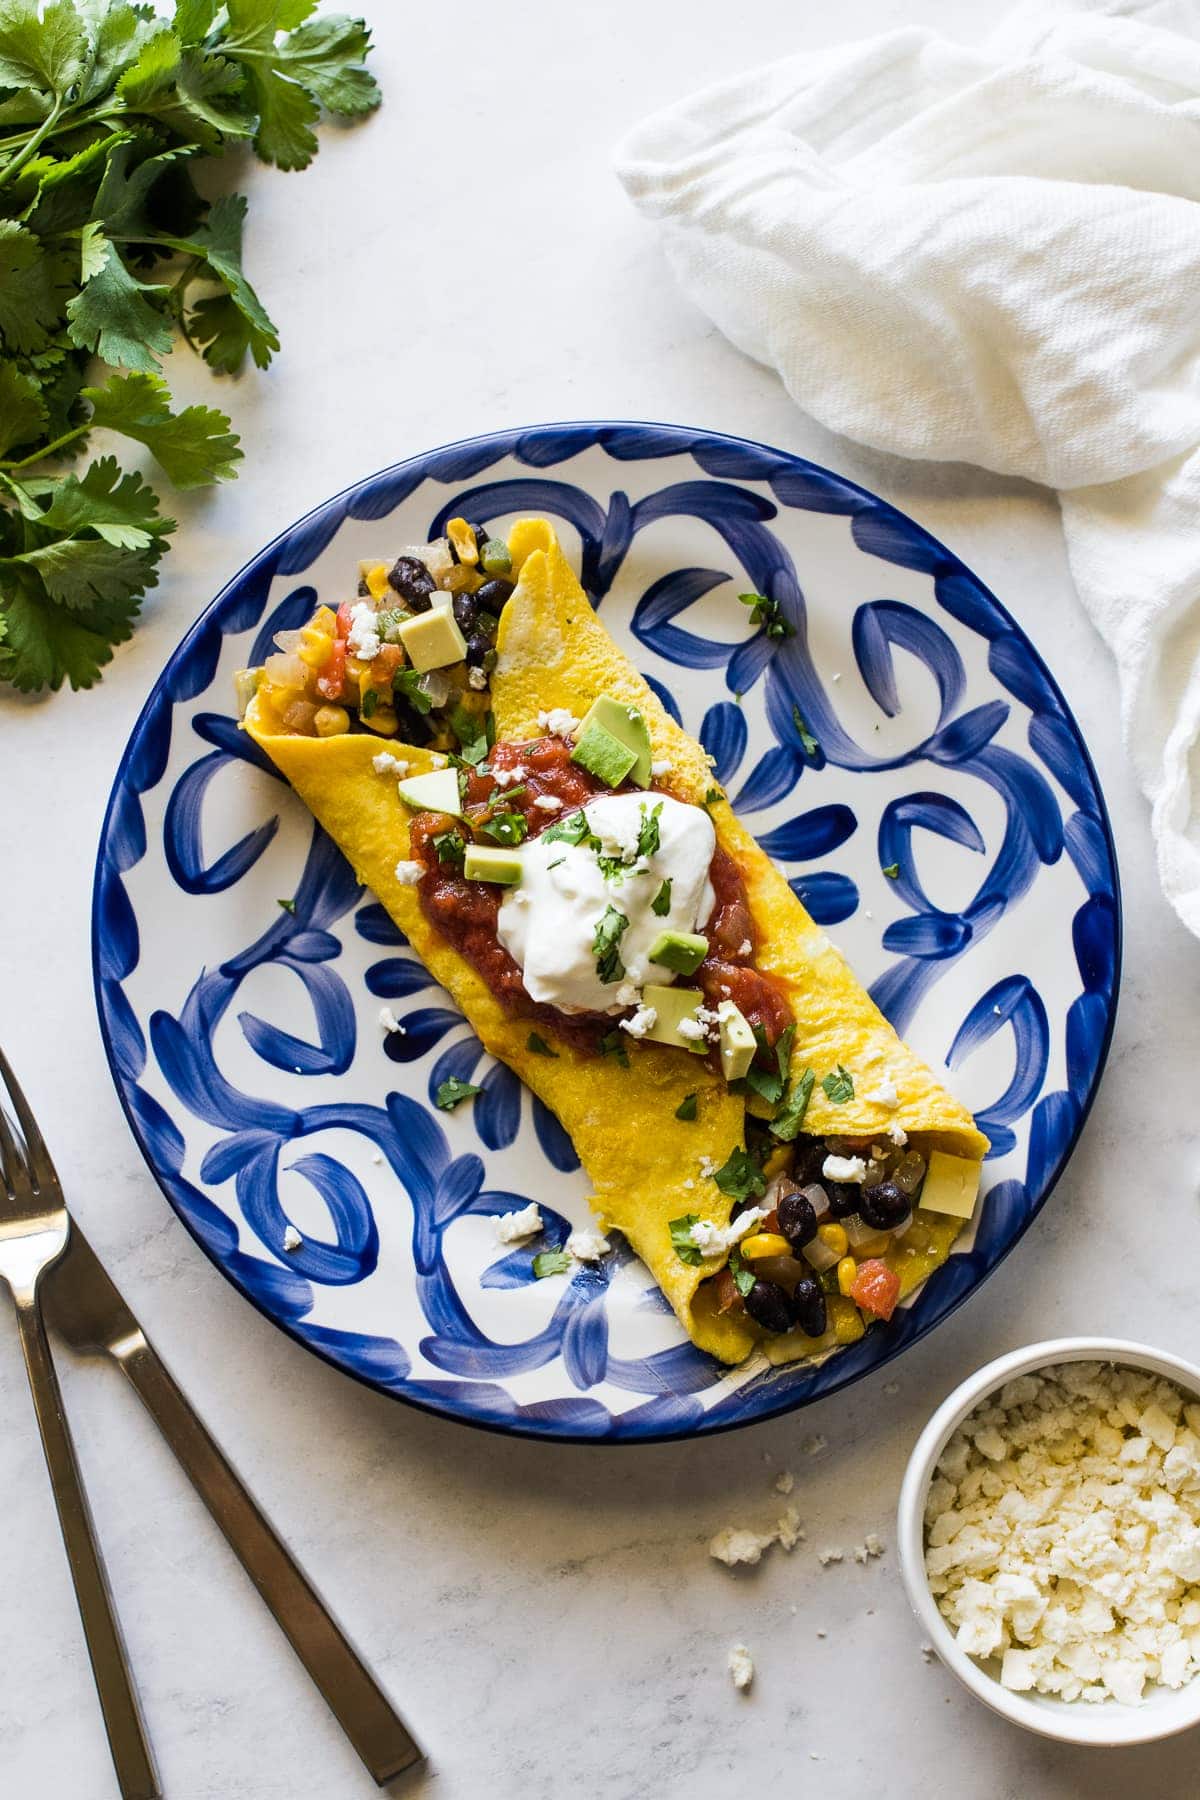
[1165, 1711]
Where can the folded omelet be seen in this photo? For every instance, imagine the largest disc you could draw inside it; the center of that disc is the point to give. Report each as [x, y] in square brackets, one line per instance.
[647, 1167]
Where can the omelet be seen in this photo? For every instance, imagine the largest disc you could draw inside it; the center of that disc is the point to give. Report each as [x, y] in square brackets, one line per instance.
[647, 1166]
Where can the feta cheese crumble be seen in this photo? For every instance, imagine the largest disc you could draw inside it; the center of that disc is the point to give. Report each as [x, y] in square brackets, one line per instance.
[844, 1168]
[586, 1244]
[387, 764]
[511, 1227]
[736, 1544]
[659, 769]
[643, 1020]
[548, 803]
[717, 1240]
[1062, 1533]
[508, 777]
[362, 640]
[291, 1238]
[558, 722]
[408, 872]
[477, 679]
[741, 1667]
[884, 1094]
[388, 1020]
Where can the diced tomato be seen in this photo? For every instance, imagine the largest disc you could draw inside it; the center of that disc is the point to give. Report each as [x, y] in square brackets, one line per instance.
[770, 1223]
[725, 1288]
[876, 1288]
[331, 682]
[343, 619]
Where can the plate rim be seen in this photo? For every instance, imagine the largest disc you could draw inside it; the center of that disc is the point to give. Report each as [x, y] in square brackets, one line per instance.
[504, 440]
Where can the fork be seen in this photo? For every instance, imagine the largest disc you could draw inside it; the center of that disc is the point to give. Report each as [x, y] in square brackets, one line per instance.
[33, 1235]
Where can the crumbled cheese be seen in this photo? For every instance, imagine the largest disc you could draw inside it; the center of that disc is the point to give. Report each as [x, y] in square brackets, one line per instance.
[718, 1240]
[291, 1238]
[477, 679]
[511, 1227]
[377, 1156]
[659, 769]
[785, 1483]
[548, 803]
[736, 1544]
[1063, 1533]
[388, 1020]
[746, 947]
[558, 722]
[884, 1094]
[788, 1529]
[408, 873]
[813, 1446]
[508, 777]
[897, 1134]
[387, 764]
[586, 1244]
[691, 1029]
[643, 1020]
[362, 640]
[628, 994]
[741, 1667]
[844, 1168]
[872, 1545]
[825, 1557]
[708, 1167]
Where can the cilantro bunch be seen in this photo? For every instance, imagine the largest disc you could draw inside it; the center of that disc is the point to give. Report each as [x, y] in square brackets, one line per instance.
[107, 249]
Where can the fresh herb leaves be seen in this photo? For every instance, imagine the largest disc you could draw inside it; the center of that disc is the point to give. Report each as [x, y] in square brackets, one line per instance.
[649, 838]
[538, 1045]
[107, 248]
[472, 734]
[450, 848]
[769, 614]
[740, 1177]
[613, 1044]
[892, 871]
[505, 828]
[687, 1108]
[406, 684]
[574, 829]
[610, 928]
[681, 1239]
[790, 1117]
[289, 906]
[808, 742]
[550, 1262]
[661, 903]
[839, 1086]
[743, 1278]
[768, 1082]
[453, 1092]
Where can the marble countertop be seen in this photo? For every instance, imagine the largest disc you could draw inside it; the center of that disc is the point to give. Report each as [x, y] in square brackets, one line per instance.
[547, 1616]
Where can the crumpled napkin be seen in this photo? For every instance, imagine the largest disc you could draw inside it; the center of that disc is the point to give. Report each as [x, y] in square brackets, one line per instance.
[990, 255]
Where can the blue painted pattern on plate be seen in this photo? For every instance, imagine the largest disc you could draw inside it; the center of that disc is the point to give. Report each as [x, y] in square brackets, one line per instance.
[905, 757]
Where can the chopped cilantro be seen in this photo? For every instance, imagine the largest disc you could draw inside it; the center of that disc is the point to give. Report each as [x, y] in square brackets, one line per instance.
[556, 864]
[613, 1044]
[450, 847]
[808, 742]
[741, 1176]
[509, 793]
[790, 1117]
[550, 1262]
[406, 683]
[681, 1239]
[661, 903]
[489, 728]
[289, 906]
[606, 939]
[453, 1092]
[506, 828]
[712, 796]
[743, 1278]
[767, 1082]
[892, 871]
[687, 1108]
[368, 703]
[769, 614]
[574, 829]
[538, 1045]
[839, 1086]
[471, 733]
[648, 832]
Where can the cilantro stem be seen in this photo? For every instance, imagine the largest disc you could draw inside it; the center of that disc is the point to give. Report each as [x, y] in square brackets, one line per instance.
[44, 130]
[68, 437]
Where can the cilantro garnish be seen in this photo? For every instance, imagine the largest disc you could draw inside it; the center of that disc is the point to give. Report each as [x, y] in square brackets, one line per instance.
[471, 732]
[743, 1278]
[687, 1108]
[681, 1239]
[741, 1176]
[574, 829]
[808, 742]
[712, 796]
[289, 906]
[892, 871]
[550, 1262]
[771, 1082]
[539, 1046]
[506, 828]
[769, 614]
[790, 1117]
[407, 684]
[648, 839]
[108, 248]
[661, 903]
[610, 928]
[368, 703]
[451, 848]
[839, 1086]
[613, 1044]
[453, 1092]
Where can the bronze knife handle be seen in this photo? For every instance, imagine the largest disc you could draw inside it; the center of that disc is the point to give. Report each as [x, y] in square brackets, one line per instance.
[357, 1702]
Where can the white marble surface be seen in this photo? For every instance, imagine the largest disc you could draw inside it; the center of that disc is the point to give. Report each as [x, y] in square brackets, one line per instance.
[547, 1616]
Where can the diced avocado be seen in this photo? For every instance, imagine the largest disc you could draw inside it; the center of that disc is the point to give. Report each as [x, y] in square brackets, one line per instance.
[626, 724]
[432, 639]
[682, 951]
[951, 1185]
[673, 1004]
[487, 862]
[436, 791]
[603, 755]
[738, 1043]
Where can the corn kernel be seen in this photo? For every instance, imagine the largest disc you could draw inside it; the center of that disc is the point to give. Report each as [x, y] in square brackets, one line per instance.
[377, 580]
[383, 721]
[331, 721]
[779, 1162]
[315, 647]
[324, 619]
[764, 1243]
[834, 1238]
[463, 539]
[845, 1320]
[847, 1269]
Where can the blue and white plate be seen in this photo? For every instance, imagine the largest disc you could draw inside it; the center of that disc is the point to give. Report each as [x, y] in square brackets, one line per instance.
[245, 1039]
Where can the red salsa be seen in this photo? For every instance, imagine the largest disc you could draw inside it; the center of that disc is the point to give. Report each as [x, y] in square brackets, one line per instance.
[465, 912]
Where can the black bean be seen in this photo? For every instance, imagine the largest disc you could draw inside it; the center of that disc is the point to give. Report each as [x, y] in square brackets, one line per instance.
[479, 648]
[808, 1306]
[482, 536]
[363, 590]
[884, 1206]
[466, 612]
[768, 1304]
[491, 595]
[412, 581]
[797, 1220]
[843, 1198]
[807, 1162]
[414, 728]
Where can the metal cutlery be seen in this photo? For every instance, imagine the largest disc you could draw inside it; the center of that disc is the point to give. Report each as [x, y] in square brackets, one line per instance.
[85, 1306]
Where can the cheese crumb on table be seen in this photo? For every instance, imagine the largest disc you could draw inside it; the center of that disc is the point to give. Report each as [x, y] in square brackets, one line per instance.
[586, 1244]
[741, 1667]
[511, 1227]
[737, 1544]
[785, 1483]
[1062, 1532]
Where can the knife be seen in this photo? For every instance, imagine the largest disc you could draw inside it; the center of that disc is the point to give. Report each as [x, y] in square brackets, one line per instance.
[84, 1305]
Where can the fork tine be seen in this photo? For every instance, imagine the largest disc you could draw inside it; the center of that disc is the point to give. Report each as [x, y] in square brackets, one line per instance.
[37, 1157]
[12, 1164]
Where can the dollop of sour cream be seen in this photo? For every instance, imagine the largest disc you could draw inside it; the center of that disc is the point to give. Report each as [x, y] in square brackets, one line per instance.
[548, 923]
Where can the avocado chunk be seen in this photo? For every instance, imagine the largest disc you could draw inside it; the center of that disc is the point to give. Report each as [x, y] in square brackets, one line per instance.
[738, 1043]
[672, 1004]
[682, 951]
[603, 755]
[483, 862]
[432, 639]
[436, 791]
[626, 724]
[951, 1185]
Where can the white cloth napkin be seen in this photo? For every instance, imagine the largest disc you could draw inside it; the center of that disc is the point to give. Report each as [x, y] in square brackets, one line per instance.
[989, 255]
